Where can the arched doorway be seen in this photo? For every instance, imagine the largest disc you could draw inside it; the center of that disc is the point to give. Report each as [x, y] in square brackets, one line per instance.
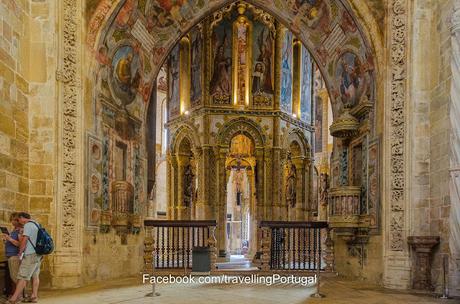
[240, 219]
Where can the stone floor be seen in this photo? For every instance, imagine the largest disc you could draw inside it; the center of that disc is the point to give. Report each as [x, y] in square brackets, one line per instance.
[336, 290]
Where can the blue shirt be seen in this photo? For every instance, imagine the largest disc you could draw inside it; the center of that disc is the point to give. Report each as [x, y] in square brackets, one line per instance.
[30, 230]
[10, 248]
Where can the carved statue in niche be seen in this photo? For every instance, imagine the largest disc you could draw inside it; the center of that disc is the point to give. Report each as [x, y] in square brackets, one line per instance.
[323, 188]
[291, 185]
[188, 185]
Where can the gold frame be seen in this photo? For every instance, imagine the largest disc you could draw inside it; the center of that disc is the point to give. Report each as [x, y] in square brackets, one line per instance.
[184, 80]
[235, 64]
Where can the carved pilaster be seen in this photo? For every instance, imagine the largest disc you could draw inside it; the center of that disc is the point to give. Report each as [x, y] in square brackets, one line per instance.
[396, 250]
[67, 259]
[398, 84]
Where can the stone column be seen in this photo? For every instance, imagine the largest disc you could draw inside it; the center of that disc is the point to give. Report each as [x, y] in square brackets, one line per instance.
[260, 190]
[277, 170]
[222, 201]
[454, 185]
[297, 213]
[421, 267]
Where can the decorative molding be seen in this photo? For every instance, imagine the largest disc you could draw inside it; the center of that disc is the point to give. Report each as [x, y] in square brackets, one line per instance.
[69, 82]
[398, 57]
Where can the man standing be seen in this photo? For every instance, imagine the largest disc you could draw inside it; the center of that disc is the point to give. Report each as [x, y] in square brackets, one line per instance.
[30, 260]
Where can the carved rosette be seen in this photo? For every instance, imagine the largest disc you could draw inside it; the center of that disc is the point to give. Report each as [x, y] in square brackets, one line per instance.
[398, 54]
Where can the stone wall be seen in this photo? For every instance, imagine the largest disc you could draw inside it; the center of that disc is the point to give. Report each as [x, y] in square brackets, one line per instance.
[27, 111]
[431, 130]
[440, 202]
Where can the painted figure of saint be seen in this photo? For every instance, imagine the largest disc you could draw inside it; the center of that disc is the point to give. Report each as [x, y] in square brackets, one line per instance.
[257, 78]
[123, 69]
[220, 82]
[265, 56]
[196, 68]
[350, 80]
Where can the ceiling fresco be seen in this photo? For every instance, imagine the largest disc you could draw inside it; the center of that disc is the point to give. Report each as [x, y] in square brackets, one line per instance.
[134, 37]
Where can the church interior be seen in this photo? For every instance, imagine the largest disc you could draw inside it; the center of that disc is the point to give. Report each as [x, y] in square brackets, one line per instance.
[232, 138]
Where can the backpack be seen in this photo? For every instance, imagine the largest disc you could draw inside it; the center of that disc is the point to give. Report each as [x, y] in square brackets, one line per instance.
[44, 244]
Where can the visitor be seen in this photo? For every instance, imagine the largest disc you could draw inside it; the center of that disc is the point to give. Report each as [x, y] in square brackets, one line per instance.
[30, 260]
[12, 240]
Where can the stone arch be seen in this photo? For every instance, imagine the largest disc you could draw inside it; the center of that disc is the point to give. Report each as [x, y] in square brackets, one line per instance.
[244, 126]
[184, 132]
[297, 136]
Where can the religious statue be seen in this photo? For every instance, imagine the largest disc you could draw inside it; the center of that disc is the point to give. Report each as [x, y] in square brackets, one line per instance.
[291, 186]
[323, 188]
[187, 185]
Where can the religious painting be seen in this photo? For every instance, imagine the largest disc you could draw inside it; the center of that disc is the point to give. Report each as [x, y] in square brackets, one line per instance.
[221, 75]
[174, 87]
[126, 74]
[286, 73]
[313, 13]
[125, 13]
[161, 14]
[196, 90]
[306, 85]
[373, 193]
[94, 185]
[350, 79]
[263, 65]
[318, 124]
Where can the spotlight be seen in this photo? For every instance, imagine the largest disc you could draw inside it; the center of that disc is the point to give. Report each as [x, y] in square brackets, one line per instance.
[294, 115]
[186, 112]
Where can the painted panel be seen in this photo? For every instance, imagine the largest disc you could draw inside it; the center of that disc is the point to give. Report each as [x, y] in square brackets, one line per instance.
[263, 69]
[94, 181]
[286, 74]
[196, 90]
[221, 81]
[306, 86]
[318, 124]
[174, 87]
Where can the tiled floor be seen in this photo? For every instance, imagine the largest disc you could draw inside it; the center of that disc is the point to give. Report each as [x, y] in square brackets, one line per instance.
[336, 291]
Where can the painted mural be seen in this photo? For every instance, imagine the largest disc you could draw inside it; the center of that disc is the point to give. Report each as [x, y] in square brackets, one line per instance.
[286, 74]
[350, 79]
[306, 86]
[196, 90]
[126, 74]
[263, 69]
[221, 74]
[174, 87]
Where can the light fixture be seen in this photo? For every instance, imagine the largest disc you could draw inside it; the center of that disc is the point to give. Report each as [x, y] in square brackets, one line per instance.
[187, 112]
[294, 115]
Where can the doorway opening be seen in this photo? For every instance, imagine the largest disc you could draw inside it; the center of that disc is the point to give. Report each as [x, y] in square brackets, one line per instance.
[240, 221]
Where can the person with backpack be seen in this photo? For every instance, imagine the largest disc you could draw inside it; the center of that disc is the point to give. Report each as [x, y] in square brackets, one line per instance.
[35, 242]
